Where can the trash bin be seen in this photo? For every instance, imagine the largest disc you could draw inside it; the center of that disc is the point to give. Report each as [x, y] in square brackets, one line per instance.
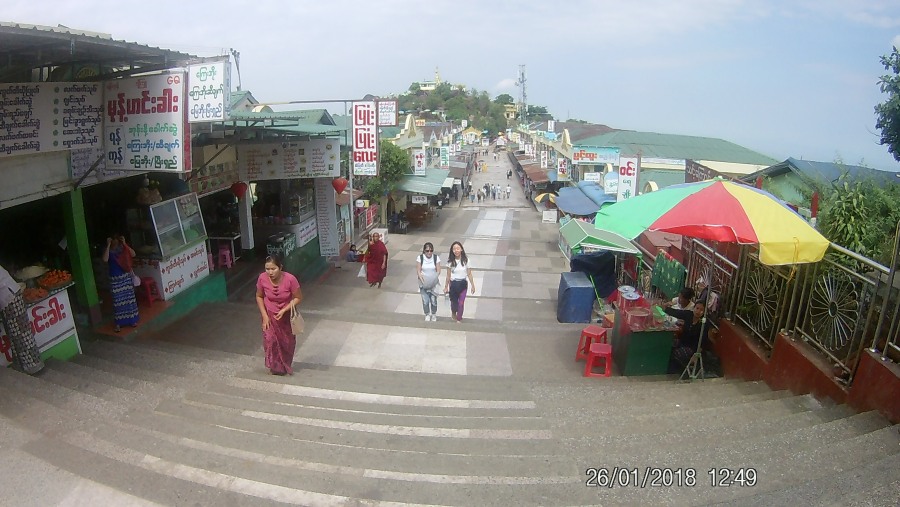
[575, 299]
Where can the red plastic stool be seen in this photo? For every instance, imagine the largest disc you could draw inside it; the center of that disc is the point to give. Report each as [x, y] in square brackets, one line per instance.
[225, 256]
[211, 262]
[148, 290]
[589, 335]
[599, 351]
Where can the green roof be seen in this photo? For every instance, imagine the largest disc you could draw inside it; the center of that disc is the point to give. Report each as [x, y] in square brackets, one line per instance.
[661, 177]
[577, 232]
[653, 145]
[429, 184]
[306, 116]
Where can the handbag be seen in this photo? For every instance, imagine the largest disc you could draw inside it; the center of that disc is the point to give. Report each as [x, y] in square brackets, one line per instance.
[362, 272]
[297, 322]
[135, 280]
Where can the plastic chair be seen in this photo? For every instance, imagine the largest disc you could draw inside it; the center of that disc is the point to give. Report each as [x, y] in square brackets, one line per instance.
[589, 335]
[148, 291]
[225, 256]
[599, 351]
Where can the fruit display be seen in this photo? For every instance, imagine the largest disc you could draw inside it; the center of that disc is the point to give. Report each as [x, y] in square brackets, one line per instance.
[55, 278]
[31, 294]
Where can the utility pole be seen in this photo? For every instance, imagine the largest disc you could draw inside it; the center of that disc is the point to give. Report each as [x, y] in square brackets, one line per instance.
[523, 96]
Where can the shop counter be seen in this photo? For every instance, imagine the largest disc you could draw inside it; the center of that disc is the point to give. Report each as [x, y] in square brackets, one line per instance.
[175, 274]
[53, 322]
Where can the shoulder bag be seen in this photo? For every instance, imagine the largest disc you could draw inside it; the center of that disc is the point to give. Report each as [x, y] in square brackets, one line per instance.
[297, 323]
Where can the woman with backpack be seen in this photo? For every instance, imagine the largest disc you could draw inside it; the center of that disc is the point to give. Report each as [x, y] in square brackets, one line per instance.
[459, 278]
[428, 270]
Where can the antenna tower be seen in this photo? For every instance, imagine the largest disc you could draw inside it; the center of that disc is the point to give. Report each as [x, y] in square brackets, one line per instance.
[523, 97]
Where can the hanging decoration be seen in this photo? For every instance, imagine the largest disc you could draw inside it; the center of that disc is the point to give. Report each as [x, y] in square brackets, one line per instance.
[339, 184]
[239, 189]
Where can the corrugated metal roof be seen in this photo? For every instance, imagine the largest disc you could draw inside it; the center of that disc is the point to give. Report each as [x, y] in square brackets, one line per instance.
[306, 116]
[673, 146]
[661, 177]
[823, 173]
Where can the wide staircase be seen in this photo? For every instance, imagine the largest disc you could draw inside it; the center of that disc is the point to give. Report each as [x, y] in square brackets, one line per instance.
[154, 422]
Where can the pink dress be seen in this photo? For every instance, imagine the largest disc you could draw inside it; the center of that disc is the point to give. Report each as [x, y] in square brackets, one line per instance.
[278, 341]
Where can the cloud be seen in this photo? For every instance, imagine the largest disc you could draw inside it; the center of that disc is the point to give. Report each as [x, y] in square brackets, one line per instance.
[896, 41]
[505, 85]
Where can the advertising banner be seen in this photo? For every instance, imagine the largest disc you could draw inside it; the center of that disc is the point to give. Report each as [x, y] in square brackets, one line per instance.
[629, 172]
[595, 155]
[445, 157]
[42, 117]
[209, 91]
[175, 274]
[316, 158]
[562, 169]
[326, 219]
[144, 127]
[365, 139]
[51, 320]
[418, 162]
[388, 113]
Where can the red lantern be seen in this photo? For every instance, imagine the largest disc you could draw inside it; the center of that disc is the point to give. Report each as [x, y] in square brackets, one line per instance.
[339, 184]
[239, 189]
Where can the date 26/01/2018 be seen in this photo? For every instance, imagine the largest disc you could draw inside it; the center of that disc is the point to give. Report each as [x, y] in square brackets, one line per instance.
[662, 477]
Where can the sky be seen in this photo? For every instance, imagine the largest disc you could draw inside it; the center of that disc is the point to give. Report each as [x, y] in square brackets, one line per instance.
[785, 78]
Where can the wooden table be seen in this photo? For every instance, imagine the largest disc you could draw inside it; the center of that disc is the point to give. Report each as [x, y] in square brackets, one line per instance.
[641, 352]
[230, 240]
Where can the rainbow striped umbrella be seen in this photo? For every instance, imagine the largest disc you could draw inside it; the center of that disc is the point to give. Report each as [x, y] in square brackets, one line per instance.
[719, 210]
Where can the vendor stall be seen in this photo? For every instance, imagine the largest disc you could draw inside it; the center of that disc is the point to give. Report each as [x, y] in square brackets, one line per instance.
[51, 316]
[169, 239]
[642, 340]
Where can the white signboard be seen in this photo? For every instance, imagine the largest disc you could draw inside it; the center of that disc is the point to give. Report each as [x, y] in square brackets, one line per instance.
[545, 159]
[464, 123]
[445, 157]
[365, 139]
[548, 216]
[51, 320]
[551, 126]
[419, 199]
[306, 232]
[326, 219]
[611, 183]
[388, 113]
[629, 171]
[41, 117]
[209, 91]
[562, 169]
[593, 176]
[418, 162]
[175, 274]
[81, 160]
[144, 126]
[316, 158]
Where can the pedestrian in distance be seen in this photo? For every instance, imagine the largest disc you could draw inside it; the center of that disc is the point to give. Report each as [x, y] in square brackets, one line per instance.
[118, 257]
[459, 278]
[428, 271]
[508, 191]
[277, 292]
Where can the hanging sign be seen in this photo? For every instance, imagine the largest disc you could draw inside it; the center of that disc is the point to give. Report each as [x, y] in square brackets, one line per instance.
[365, 139]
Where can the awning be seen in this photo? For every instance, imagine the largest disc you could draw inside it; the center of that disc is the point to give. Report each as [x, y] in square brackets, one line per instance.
[429, 184]
[573, 201]
[577, 232]
[344, 198]
[448, 182]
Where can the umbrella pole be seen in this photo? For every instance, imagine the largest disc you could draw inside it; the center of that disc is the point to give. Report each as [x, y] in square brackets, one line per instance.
[694, 368]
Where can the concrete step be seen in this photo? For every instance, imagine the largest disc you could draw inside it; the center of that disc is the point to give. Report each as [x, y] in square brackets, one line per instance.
[159, 342]
[152, 359]
[81, 406]
[60, 375]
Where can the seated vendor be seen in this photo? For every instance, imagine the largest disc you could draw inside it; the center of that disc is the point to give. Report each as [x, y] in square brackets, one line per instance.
[684, 299]
[688, 339]
[352, 254]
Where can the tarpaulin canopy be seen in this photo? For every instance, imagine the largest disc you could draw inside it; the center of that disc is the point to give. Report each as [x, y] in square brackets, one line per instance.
[577, 232]
[573, 201]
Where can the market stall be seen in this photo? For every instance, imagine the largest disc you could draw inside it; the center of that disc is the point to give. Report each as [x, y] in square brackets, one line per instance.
[642, 336]
[50, 313]
[169, 239]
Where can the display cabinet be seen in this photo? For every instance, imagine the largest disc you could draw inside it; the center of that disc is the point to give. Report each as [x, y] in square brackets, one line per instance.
[166, 228]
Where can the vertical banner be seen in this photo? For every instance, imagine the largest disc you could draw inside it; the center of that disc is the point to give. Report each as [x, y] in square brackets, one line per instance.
[388, 113]
[326, 220]
[209, 91]
[629, 171]
[419, 162]
[145, 124]
[445, 157]
[562, 169]
[545, 160]
[365, 139]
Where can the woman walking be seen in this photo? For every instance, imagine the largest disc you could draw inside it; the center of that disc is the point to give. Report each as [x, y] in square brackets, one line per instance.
[428, 270]
[277, 291]
[459, 277]
[376, 261]
[117, 255]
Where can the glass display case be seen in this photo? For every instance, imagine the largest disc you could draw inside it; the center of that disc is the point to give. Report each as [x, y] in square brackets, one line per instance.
[165, 228]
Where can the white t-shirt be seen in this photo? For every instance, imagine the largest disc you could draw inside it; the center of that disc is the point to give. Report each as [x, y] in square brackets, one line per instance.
[429, 266]
[459, 272]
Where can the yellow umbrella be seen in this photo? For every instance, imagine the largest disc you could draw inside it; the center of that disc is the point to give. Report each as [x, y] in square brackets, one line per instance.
[546, 196]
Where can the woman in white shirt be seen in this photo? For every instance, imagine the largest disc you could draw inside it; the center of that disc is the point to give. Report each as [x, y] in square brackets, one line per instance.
[459, 277]
[428, 270]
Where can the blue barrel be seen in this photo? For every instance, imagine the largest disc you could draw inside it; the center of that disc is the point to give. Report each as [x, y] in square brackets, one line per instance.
[575, 299]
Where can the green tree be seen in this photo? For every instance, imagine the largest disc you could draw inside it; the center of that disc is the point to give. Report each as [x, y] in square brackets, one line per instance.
[888, 112]
[415, 89]
[393, 166]
[504, 98]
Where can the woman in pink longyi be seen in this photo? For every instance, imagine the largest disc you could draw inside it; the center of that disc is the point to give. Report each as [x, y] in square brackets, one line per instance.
[277, 291]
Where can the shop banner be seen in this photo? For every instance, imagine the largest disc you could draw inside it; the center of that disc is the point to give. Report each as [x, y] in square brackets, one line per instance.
[42, 117]
[213, 178]
[445, 157]
[419, 199]
[145, 125]
[51, 320]
[175, 274]
[545, 159]
[419, 162]
[388, 113]
[306, 232]
[316, 158]
[326, 219]
[365, 139]
[629, 172]
[595, 155]
[81, 160]
[562, 169]
[209, 91]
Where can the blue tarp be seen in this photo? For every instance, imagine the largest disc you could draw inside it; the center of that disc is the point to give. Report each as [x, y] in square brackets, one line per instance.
[595, 193]
[573, 201]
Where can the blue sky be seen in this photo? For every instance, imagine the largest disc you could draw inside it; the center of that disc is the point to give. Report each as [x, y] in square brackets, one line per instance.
[790, 78]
